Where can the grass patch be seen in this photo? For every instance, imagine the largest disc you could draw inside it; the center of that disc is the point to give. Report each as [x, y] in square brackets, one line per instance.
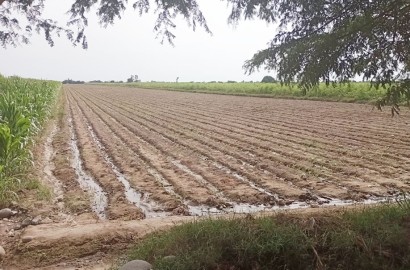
[369, 238]
[76, 203]
[8, 189]
[42, 191]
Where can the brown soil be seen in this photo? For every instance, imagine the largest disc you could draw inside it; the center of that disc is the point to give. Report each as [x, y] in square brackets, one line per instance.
[158, 155]
[330, 149]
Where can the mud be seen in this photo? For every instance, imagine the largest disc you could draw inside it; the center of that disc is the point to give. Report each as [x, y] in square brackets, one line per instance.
[133, 196]
[244, 160]
[49, 166]
[86, 182]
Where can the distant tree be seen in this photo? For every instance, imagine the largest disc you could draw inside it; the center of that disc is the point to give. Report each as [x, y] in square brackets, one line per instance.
[318, 40]
[268, 79]
[133, 78]
[70, 81]
[130, 79]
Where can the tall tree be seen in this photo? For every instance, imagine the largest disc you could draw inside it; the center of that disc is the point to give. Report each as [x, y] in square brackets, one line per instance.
[336, 40]
[317, 40]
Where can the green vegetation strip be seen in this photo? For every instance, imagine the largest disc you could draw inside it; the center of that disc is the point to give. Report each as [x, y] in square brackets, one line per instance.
[349, 92]
[24, 106]
[364, 238]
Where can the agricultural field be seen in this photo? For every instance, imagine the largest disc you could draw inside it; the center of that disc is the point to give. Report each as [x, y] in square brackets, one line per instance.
[362, 92]
[150, 153]
[113, 164]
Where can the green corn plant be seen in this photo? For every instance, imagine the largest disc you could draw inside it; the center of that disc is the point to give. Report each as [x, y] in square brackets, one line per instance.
[12, 148]
[24, 106]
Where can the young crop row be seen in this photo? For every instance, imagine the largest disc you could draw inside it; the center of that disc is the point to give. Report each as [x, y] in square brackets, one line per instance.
[351, 92]
[220, 150]
[24, 105]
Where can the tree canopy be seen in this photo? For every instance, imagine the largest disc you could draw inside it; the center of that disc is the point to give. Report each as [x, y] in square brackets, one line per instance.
[317, 40]
[268, 79]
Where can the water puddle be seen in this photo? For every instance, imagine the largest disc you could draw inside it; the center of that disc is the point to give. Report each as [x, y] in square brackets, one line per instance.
[245, 208]
[169, 188]
[49, 165]
[97, 195]
[321, 202]
[233, 206]
[133, 196]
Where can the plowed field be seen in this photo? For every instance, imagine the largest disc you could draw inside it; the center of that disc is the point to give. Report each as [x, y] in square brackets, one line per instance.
[146, 153]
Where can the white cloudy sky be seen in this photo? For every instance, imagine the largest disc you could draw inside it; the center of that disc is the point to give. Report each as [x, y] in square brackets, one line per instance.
[130, 47]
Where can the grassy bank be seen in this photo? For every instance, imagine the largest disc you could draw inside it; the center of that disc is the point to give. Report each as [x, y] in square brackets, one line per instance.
[370, 238]
[24, 106]
[351, 92]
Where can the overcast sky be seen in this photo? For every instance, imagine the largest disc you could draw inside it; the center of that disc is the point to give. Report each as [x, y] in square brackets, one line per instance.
[130, 47]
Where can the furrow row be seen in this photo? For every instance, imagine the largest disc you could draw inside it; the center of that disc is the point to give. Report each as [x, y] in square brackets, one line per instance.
[158, 136]
[285, 127]
[199, 178]
[299, 163]
[238, 133]
[285, 173]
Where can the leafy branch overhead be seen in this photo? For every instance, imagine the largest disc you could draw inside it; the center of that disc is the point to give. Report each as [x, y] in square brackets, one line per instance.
[14, 30]
[317, 40]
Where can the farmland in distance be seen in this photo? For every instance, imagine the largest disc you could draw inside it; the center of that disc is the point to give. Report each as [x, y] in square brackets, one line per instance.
[362, 92]
[144, 153]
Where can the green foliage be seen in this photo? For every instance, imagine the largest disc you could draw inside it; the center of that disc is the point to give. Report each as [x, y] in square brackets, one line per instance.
[12, 148]
[328, 41]
[268, 79]
[14, 31]
[24, 105]
[370, 238]
[349, 92]
[43, 192]
[212, 243]
[396, 94]
[336, 39]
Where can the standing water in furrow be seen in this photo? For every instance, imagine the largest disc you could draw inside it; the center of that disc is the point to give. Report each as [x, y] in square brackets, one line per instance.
[48, 164]
[131, 194]
[97, 195]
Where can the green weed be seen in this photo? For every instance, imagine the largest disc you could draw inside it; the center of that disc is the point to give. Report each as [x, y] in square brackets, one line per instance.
[370, 238]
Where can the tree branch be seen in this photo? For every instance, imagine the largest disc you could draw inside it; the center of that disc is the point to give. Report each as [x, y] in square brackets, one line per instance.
[1, 2]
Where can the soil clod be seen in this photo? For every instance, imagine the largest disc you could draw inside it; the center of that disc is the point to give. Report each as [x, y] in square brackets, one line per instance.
[2, 252]
[6, 213]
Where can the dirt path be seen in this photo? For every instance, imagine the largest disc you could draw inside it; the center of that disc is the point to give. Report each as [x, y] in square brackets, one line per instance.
[87, 245]
[122, 163]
